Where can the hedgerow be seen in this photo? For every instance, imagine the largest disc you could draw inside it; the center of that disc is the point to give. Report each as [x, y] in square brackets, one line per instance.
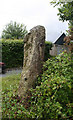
[13, 52]
[48, 46]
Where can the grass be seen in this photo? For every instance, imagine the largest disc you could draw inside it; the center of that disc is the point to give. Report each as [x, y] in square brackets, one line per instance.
[13, 106]
[53, 95]
[10, 83]
[10, 86]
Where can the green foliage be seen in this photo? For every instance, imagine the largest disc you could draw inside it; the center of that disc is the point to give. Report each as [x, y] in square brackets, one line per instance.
[65, 9]
[14, 31]
[10, 105]
[70, 24]
[65, 12]
[12, 53]
[10, 82]
[52, 98]
[48, 46]
[13, 107]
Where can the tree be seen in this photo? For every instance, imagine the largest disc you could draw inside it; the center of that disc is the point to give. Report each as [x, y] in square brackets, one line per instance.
[66, 14]
[14, 30]
[70, 26]
[69, 39]
[65, 9]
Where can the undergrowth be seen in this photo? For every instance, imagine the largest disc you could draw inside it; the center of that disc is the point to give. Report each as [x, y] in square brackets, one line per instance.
[52, 98]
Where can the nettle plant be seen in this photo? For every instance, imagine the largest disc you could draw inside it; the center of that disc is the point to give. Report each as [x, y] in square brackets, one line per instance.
[52, 97]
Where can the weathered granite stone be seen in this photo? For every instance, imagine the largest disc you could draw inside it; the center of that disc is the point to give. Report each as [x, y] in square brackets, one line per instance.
[34, 44]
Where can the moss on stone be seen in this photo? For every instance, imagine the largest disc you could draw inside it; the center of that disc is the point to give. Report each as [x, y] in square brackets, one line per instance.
[28, 45]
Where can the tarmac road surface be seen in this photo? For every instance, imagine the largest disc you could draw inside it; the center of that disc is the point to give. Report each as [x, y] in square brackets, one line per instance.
[11, 72]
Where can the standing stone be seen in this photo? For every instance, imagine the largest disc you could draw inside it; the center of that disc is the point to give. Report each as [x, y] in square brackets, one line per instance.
[34, 45]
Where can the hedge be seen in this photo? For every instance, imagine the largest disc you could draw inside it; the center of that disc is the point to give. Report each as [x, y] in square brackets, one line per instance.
[12, 52]
[48, 46]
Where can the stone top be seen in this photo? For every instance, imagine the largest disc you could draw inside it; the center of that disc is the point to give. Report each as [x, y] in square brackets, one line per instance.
[37, 28]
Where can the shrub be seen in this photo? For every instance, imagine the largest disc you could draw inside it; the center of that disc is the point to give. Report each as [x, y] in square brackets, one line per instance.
[48, 46]
[13, 52]
[52, 98]
[10, 85]
[14, 30]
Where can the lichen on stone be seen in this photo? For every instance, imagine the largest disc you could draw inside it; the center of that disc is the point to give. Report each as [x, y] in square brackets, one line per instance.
[33, 58]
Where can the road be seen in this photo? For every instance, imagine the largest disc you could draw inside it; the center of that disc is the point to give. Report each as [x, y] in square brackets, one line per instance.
[11, 72]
